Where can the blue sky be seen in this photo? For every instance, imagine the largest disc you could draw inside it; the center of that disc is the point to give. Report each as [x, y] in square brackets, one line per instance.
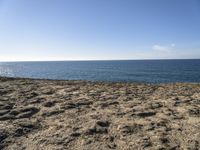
[99, 29]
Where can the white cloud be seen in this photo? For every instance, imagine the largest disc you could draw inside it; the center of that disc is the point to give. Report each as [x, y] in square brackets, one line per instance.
[161, 48]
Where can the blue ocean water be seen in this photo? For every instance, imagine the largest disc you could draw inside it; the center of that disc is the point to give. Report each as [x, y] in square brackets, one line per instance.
[151, 71]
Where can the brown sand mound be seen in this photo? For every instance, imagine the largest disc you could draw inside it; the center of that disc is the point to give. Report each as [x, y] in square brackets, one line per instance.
[42, 114]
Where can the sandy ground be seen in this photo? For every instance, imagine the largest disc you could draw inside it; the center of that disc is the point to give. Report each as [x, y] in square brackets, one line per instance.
[52, 115]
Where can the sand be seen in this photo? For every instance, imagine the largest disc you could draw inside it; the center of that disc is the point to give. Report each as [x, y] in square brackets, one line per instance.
[55, 115]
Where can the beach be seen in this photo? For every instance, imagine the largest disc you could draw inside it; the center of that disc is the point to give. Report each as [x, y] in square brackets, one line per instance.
[54, 115]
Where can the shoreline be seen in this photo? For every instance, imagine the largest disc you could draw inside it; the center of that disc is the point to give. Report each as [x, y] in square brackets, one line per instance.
[76, 114]
[96, 81]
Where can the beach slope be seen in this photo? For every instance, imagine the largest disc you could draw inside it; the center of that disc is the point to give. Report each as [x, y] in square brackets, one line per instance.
[47, 114]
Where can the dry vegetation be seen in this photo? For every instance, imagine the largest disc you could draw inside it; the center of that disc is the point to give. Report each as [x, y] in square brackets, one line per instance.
[42, 114]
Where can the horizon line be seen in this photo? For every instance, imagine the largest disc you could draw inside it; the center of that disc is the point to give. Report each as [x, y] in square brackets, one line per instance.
[100, 60]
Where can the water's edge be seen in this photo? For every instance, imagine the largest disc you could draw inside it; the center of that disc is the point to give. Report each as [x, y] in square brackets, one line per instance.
[5, 78]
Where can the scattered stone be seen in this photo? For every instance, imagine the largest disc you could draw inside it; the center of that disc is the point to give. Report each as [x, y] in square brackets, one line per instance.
[83, 103]
[27, 112]
[194, 112]
[146, 114]
[6, 106]
[7, 117]
[69, 106]
[155, 105]
[146, 143]
[130, 129]
[47, 91]
[97, 130]
[193, 145]
[100, 127]
[112, 146]
[47, 114]
[49, 104]
[75, 134]
[106, 104]
[31, 95]
[103, 123]
[3, 135]
[30, 125]
[3, 92]
[3, 112]
[164, 140]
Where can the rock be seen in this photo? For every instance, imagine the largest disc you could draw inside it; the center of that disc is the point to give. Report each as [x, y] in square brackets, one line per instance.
[75, 134]
[106, 104]
[3, 112]
[15, 112]
[146, 114]
[48, 91]
[130, 129]
[30, 125]
[103, 123]
[112, 146]
[3, 135]
[69, 106]
[31, 95]
[194, 112]
[20, 132]
[96, 130]
[155, 105]
[83, 102]
[7, 117]
[27, 112]
[193, 145]
[26, 127]
[6, 105]
[100, 127]
[164, 140]
[146, 143]
[3, 92]
[49, 104]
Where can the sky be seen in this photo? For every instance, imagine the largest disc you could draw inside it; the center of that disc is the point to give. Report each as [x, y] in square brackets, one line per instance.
[33, 30]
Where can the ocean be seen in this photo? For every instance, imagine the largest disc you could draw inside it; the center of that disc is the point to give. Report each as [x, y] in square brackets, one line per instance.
[149, 71]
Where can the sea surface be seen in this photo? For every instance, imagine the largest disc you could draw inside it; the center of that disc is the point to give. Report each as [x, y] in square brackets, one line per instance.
[150, 71]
